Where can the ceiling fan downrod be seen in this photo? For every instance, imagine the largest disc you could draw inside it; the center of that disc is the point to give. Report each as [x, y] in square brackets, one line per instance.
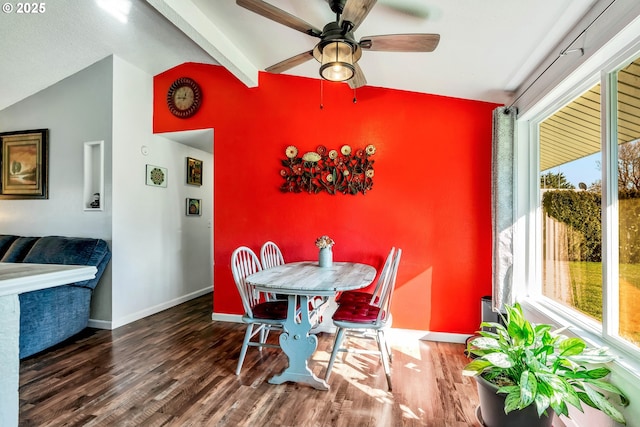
[337, 6]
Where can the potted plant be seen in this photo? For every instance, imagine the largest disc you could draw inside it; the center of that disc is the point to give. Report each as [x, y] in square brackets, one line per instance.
[524, 370]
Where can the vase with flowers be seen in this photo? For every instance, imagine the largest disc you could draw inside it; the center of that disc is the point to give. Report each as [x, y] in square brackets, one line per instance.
[325, 258]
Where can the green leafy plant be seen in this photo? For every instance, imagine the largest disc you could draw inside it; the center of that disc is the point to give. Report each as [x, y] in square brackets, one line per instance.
[533, 365]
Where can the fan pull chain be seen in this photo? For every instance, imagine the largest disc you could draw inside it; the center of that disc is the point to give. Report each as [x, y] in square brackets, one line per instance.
[321, 95]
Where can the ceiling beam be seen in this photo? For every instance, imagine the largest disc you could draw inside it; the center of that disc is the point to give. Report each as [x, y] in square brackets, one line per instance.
[190, 20]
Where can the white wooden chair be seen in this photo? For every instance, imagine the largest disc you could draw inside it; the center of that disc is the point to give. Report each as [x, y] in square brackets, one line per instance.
[349, 297]
[270, 256]
[261, 313]
[359, 318]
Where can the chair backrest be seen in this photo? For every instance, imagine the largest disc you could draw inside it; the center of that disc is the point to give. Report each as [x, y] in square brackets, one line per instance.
[376, 297]
[387, 292]
[244, 262]
[270, 255]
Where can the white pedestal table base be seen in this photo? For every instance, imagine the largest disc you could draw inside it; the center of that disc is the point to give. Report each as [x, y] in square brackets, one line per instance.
[298, 344]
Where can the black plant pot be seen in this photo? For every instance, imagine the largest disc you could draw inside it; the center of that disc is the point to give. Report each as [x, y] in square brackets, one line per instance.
[492, 410]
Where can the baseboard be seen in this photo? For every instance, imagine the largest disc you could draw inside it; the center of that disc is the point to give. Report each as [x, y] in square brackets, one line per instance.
[223, 317]
[155, 309]
[394, 333]
[99, 324]
[445, 337]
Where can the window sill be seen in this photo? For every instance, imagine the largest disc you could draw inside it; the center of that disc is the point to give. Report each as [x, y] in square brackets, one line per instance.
[538, 312]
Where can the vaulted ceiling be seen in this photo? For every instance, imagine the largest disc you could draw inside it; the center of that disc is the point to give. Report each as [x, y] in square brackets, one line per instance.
[487, 48]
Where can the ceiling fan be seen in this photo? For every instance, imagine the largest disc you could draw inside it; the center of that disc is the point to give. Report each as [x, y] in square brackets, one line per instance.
[338, 51]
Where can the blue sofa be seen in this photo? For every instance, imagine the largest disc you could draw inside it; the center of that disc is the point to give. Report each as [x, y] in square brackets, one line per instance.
[50, 316]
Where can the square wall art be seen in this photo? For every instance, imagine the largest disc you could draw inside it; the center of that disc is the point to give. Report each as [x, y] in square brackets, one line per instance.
[156, 176]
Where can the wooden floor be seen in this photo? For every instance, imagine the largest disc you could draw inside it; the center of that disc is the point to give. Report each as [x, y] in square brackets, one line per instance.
[176, 368]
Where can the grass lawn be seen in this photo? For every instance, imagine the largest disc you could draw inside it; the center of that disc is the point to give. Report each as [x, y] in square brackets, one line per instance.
[586, 287]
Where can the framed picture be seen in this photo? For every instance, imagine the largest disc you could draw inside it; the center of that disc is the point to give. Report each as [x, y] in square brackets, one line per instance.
[194, 171]
[156, 176]
[194, 207]
[24, 161]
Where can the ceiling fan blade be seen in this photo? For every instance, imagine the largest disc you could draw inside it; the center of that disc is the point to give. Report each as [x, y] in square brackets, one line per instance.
[356, 10]
[358, 79]
[290, 62]
[401, 42]
[280, 16]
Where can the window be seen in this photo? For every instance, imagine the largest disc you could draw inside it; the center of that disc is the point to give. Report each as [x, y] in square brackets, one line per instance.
[581, 177]
[570, 181]
[627, 84]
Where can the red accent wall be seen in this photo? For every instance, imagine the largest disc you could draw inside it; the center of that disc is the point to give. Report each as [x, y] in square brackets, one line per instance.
[431, 192]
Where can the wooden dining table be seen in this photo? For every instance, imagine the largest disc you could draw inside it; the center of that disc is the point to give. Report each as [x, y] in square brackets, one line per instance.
[301, 282]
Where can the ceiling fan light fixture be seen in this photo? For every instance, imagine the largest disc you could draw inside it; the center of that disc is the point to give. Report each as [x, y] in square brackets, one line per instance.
[337, 61]
[338, 52]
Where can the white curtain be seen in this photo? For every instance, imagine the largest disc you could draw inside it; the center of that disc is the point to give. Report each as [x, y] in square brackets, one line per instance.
[502, 205]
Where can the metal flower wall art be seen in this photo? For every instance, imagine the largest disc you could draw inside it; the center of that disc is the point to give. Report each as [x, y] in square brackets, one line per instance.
[345, 171]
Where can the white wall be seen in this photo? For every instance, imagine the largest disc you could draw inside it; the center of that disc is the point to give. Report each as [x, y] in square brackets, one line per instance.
[75, 110]
[161, 256]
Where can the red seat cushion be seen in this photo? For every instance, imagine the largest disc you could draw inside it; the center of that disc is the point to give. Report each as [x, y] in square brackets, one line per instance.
[274, 310]
[356, 312]
[356, 296]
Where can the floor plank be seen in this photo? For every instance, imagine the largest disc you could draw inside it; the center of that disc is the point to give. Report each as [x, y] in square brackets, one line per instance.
[176, 368]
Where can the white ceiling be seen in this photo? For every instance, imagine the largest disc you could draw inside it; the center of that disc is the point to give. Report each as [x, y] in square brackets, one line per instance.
[201, 139]
[487, 47]
[38, 50]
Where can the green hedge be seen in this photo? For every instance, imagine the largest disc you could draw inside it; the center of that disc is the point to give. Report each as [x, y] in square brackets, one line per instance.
[581, 211]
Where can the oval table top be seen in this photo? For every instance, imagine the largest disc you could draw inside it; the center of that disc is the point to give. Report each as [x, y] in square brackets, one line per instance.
[308, 278]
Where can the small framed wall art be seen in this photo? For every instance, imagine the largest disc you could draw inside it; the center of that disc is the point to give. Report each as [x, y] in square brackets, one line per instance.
[25, 159]
[156, 176]
[194, 207]
[194, 171]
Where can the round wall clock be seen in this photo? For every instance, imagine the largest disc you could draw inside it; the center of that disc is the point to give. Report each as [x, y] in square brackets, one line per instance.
[184, 97]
